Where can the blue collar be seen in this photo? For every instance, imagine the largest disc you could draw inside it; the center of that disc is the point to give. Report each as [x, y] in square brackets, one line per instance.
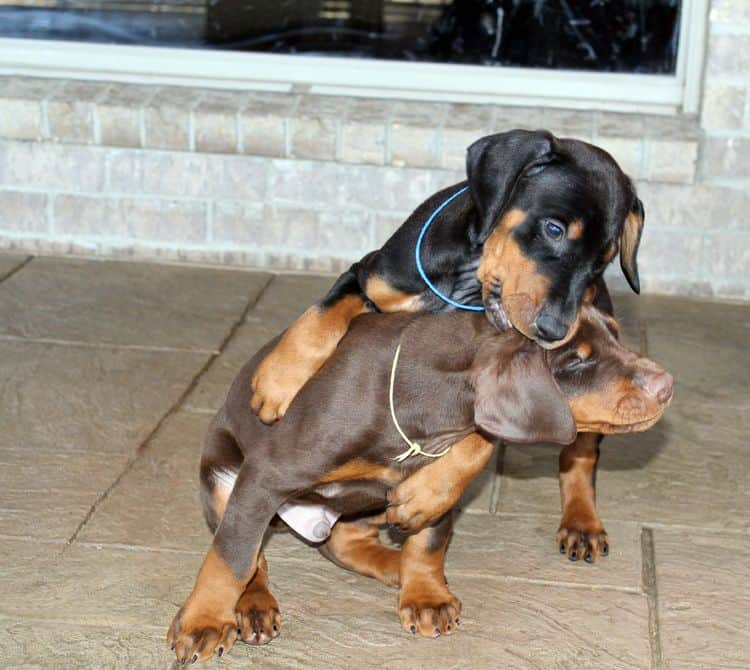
[418, 254]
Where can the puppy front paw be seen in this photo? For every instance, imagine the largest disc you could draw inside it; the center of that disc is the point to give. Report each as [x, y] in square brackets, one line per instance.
[269, 400]
[416, 503]
[582, 541]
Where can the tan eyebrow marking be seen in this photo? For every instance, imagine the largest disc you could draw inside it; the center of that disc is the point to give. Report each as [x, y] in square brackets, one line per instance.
[583, 350]
[575, 229]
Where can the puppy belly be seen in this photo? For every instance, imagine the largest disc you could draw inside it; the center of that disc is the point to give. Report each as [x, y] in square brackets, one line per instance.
[310, 520]
[313, 515]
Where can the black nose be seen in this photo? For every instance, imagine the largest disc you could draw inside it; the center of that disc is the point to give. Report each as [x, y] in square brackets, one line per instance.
[549, 328]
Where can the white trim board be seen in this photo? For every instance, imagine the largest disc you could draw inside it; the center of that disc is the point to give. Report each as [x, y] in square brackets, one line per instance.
[656, 94]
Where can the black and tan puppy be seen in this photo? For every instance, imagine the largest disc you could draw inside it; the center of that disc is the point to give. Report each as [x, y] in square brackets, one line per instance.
[458, 383]
[536, 222]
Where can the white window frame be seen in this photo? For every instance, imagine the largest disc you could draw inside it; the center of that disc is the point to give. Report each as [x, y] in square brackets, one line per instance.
[656, 94]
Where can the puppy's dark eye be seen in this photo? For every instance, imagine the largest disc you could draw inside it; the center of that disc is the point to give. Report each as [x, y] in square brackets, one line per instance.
[553, 229]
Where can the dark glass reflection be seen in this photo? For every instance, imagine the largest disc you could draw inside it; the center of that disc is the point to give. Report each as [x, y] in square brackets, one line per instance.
[603, 35]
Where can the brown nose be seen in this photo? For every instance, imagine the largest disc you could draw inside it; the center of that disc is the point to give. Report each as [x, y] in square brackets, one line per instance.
[658, 385]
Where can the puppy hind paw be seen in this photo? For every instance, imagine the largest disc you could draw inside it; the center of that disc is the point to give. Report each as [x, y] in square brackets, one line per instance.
[430, 616]
[258, 618]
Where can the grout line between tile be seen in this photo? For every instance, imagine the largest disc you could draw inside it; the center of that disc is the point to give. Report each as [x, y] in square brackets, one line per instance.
[648, 576]
[643, 337]
[653, 525]
[192, 409]
[116, 625]
[31, 538]
[546, 582]
[103, 345]
[138, 548]
[18, 268]
[170, 412]
[658, 525]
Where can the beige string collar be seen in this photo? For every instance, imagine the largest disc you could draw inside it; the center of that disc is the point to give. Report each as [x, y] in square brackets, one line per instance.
[415, 449]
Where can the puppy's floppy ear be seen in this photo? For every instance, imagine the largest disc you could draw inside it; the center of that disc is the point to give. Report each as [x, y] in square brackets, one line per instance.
[516, 397]
[495, 163]
[629, 241]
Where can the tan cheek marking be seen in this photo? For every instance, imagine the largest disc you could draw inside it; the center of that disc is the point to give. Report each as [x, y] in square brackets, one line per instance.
[588, 410]
[524, 289]
[388, 299]
[613, 326]
[492, 253]
[609, 254]
[575, 230]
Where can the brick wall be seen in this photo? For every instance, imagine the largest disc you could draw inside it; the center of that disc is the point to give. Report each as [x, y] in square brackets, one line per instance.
[724, 163]
[311, 183]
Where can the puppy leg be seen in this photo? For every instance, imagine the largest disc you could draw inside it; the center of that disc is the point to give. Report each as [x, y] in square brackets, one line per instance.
[304, 347]
[206, 623]
[425, 603]
[435, 489]
[356, 546]
[581, 533]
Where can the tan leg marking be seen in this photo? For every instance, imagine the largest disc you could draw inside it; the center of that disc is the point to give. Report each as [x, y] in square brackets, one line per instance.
[356, 546]
[581, 533]
[426, 606]
[388, 299]
[436, 488]
[359, 468]
[206, 623]
[257, 610]
[300, 353]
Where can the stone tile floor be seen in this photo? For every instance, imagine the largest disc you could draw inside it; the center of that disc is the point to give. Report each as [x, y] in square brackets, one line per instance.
[109, 373]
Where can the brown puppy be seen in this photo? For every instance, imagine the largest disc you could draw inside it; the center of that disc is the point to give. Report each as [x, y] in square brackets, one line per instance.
[459, 383]
[594, 352]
